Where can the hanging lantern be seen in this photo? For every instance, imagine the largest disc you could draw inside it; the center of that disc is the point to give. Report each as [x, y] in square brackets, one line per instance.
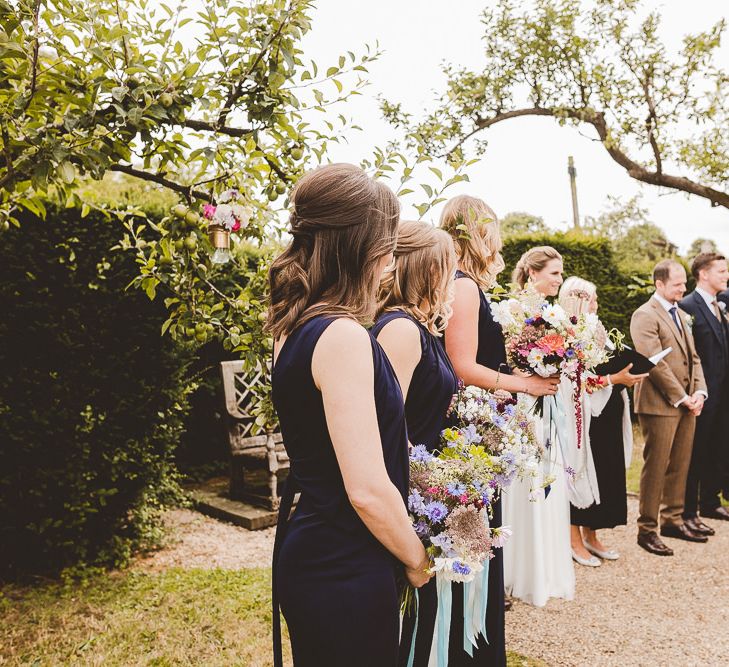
[227, 215]
[220, 240]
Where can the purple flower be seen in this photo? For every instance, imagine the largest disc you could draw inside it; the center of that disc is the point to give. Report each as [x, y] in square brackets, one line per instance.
[421, 453]
[436, 511]
[444, 543]
[573, 319]
[471, 434]
[415, 502]
[461, 568]
[421, 529]
[510, 410]
[570, 471]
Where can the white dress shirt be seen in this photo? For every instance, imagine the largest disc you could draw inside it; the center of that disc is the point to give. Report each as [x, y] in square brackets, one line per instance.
[710, 299]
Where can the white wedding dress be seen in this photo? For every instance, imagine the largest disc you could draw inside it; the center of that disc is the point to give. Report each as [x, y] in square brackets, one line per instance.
[538, 555]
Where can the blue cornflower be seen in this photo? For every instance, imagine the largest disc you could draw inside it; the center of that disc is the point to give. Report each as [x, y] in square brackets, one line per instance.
[456, 488]
[510, 410]
[529, 321]
[499, 421]
[420, 453]
[508, 458]
[569, 353]
[436, 511]
[461, 568]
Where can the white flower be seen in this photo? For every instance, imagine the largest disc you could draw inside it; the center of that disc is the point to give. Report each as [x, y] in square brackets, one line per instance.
[224, 215]
[554, 314]
[536, 357]
[502, 313]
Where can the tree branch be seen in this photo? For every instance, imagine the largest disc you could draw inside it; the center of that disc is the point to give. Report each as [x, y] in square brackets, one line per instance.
[635, 170]
[204, 126]
[651, 123]
[188, 191]
[34, 63]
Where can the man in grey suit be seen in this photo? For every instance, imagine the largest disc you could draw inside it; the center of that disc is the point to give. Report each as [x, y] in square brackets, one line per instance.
[667, 404]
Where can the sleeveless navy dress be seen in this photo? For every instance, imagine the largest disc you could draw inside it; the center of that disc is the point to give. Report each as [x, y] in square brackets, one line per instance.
[335, 582]
[431, 389]
[491, 353]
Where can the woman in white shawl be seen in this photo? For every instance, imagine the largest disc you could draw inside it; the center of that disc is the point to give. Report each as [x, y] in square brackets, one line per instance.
[596, 486]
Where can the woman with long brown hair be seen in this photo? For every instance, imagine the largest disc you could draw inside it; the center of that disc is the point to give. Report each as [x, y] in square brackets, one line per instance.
[340, 408]
[415, 297]
[475, 344]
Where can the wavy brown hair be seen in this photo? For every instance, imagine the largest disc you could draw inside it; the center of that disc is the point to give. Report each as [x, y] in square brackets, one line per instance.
[421, 278]
[342, 222]
[534, 259]
[476, 234]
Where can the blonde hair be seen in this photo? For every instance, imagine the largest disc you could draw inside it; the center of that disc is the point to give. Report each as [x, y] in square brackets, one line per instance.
[423, 271]
[534, 259]
[576, 294]
[342, 222]
[476, 234]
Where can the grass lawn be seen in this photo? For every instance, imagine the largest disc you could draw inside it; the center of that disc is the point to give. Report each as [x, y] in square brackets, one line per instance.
[176, 617]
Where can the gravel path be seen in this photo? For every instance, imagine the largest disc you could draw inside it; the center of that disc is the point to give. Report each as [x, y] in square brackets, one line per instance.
[639, 610]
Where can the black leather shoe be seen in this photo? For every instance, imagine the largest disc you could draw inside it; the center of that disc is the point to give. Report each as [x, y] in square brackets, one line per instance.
[697, 526]
[721, 513]
[683, 532]
[654, 544]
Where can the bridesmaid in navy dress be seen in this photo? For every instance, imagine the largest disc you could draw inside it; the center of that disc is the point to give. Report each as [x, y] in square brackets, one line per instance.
[414, 309]
[337, 559]
[475, 345]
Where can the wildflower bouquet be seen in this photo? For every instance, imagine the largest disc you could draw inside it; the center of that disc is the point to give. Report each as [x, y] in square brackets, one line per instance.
[508, 432]
[542, 338]
[450, 496]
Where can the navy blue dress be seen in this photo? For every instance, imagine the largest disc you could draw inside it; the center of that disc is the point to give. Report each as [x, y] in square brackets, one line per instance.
[492, 354]
[429, 395]
[335, 582]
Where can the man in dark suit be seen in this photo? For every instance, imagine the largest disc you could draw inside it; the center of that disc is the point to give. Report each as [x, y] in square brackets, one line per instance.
[723, 299]
[711, 336]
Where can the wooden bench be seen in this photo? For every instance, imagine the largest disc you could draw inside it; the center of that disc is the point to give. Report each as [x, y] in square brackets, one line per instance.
[258, 463]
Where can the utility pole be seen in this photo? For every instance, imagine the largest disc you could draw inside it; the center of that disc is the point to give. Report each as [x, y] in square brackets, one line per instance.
[573, 185]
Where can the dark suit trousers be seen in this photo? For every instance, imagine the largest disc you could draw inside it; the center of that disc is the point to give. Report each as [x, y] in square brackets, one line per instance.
[707, 467]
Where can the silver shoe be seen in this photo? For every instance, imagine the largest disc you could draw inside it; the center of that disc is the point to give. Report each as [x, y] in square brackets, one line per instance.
[587, 562]
[605, 555]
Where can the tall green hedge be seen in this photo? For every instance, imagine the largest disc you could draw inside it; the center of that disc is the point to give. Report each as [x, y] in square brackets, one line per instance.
[92, 398]
[589, 258]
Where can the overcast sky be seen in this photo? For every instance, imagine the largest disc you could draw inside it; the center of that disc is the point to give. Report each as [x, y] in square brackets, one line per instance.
[525, 168]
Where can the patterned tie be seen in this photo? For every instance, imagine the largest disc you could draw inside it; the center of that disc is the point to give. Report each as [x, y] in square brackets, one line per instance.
[674, 315]
[717, 312]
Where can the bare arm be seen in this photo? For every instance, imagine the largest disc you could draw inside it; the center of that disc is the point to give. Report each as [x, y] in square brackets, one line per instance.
[400, 338]
[343, 370]
[462, 346]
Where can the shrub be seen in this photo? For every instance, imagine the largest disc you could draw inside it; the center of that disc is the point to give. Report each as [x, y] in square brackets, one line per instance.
[92, 398]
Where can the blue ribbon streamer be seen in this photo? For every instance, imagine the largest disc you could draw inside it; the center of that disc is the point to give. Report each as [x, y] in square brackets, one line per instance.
[411, 657]
[478, 609]
[443, 619]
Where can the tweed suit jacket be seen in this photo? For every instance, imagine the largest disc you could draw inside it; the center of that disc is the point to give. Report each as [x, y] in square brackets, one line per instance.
[675, 376]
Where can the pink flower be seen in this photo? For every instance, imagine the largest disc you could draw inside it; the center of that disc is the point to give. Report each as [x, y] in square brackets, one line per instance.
[464, 499]
[209, 211]
[235, 227]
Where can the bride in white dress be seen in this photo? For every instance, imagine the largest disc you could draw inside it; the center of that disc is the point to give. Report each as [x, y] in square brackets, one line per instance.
[538, 556]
